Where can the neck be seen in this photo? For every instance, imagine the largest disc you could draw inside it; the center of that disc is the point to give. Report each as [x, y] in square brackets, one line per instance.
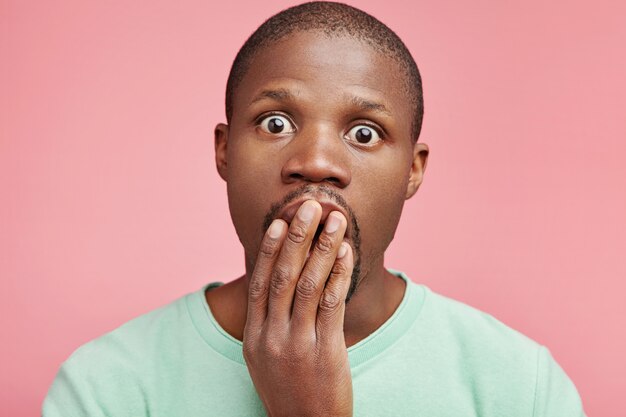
[376, 298]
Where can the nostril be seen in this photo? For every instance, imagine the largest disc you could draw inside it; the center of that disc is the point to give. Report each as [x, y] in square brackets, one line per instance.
[294, 171]
[333, 180]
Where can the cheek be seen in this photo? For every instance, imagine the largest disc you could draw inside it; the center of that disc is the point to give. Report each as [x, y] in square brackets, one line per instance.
[383, 198]
[248, 187]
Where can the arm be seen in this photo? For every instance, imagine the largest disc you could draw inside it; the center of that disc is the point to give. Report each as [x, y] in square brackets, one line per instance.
[69, 395]
[555, 393]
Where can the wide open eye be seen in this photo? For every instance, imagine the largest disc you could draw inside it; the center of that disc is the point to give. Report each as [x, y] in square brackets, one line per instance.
[276, 124]
[364, 135]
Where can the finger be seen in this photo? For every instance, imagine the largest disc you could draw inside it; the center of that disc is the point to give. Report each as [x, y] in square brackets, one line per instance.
[258, 287]
[332, 305]
[317, 271]
[290, 261]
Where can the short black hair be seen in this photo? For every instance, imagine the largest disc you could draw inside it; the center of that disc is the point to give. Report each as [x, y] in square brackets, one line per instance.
[333, 19]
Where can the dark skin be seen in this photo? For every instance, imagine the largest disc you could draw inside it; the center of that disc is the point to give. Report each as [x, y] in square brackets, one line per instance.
[324, 117]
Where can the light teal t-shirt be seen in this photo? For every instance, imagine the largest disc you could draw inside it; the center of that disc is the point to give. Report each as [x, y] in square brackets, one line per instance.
[434, 357]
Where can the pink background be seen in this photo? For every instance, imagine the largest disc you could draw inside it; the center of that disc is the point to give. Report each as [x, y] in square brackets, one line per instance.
[111, 205]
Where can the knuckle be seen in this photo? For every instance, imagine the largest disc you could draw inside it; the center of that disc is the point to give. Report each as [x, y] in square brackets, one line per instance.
[257, 289]
[330, 301]
[249, 353]
[324, 244]
[272, 350]
[339, 269]
[306, 287]
[268, 248]
[297, 233]
[305, 341]
[280, 280]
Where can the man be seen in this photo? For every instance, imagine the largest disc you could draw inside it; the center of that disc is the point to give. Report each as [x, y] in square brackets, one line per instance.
[324, 109]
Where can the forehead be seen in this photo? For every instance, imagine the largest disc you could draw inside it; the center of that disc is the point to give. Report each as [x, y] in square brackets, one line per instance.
[316, 66]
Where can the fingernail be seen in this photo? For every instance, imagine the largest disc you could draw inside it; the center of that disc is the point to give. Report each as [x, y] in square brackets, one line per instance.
[306, 212]
[276, 229]
[342, 250]
[332, 223]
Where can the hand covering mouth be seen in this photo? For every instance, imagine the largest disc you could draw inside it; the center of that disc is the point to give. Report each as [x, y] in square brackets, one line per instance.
[329, 198]
[289, 212]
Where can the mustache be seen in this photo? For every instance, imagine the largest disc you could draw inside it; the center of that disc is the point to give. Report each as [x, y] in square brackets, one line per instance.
[332, 194]
[277, 207]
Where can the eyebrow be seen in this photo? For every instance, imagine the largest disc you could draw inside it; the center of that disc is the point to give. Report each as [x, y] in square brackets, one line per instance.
[282, 94]
[279, 95]
[367, 105]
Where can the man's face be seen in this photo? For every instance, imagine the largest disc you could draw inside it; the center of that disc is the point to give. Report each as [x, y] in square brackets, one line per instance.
[320, 118]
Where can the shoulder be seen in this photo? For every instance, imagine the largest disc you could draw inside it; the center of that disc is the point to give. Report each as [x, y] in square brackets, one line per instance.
[134, 340]
[494, 357]
[475, 344]
[133, 347]
[115, 368]
[475, 328]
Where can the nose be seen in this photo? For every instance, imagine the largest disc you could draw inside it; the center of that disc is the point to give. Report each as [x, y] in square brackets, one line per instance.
[317, 155]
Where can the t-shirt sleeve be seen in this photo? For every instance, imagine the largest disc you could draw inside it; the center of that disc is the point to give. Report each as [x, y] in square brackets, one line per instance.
[555, 394]
[70, 396]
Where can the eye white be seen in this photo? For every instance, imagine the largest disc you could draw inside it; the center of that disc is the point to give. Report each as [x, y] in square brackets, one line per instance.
[276, 124]
[364, 134]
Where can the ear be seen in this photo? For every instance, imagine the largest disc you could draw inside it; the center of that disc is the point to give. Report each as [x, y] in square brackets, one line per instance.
[221, 146]
[420, 157]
